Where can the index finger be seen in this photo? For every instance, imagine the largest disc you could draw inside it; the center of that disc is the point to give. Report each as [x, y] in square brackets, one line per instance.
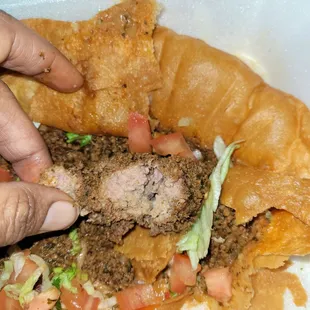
[24, 51]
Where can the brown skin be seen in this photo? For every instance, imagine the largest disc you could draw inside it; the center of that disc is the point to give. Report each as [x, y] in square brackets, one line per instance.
[25, 208]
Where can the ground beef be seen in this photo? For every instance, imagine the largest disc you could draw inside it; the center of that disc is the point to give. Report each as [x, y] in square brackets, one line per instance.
[56, 251]
[103, 265]
[73, 154]
[116, 189]
[228, 239]
[108, 267]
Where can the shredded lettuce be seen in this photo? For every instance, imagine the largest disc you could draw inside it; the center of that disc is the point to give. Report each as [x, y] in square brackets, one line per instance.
[76, 246]
[196, 242]
[6, 273]
[89, 288]
[18, 260]
[64, 277]
[83, 140]
[26, 292]
[46, 283]
[219, 147]
[13, 290]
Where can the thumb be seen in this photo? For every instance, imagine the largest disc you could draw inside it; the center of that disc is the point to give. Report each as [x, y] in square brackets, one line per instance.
[27, 209]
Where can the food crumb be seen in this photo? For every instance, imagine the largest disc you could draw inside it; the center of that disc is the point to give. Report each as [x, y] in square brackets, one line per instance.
[47, 70]
[42, 55]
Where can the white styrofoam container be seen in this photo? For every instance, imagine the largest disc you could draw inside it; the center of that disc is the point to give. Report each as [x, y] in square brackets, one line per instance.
[275, 34]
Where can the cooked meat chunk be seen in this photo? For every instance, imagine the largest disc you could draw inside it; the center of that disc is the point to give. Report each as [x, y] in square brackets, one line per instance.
[163, 194]
[112, 186]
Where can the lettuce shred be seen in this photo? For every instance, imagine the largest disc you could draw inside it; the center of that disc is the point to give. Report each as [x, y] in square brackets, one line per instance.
[82, 139]
[76, 246]
[196, 242]
[64, 277]
[6, 273]
[26, 291]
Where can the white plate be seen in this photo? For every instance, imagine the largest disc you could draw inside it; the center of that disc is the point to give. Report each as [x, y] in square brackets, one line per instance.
[273, 33]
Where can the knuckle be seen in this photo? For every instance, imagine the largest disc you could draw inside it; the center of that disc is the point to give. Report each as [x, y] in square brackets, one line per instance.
[9, 110]
[18, 215]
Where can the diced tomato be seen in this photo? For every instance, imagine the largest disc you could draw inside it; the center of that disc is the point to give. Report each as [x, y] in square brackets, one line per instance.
[74, 301]
[80, 300]
[219, 282]
[139, 133]
[26, 272]
[45, 300]
[176, 285]
[5, 176]
[8, 303]
[182, 273]
[172, 144]
[137, 297]
[92, 303]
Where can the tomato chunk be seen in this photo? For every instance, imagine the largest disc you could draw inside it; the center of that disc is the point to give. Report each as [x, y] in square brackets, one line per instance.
[45, 300]
[92, 303]
[74, 301]
[219, 283]
[139, 133]
[5, 176]
[28, 269]
[80, 300]
[137, 297]
[8, 303]
[182, 273]
[172, 144]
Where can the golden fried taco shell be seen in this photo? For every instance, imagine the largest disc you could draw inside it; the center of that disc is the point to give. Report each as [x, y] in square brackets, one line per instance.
[251, 191]
[217, 94]
[284, 236]
[114, 51]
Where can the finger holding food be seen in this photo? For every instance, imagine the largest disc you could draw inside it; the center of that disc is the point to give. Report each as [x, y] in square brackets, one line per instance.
[26, 52]
[28, 208]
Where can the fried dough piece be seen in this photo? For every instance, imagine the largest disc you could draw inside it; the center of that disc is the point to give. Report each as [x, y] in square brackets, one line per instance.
[114, 51]
[251, 191]
[204, 84]
[276, 132]
[217, 94]
[270, 295]
[102, 111]
[285, 235]
[148, 264]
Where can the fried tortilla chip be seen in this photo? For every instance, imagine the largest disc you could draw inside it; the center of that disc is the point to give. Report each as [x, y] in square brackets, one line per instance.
[148, 263]
[114, 51]
[103, 111]
[284, 236]
[214, 93]
[270, 295]
[276, 133]
[251, 191]
[208, 87]
[197, 300]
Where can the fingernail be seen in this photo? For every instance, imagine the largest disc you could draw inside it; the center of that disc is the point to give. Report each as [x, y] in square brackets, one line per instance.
[61, 215]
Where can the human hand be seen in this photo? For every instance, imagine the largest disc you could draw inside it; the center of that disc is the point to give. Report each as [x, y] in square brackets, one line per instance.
[28, 208]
